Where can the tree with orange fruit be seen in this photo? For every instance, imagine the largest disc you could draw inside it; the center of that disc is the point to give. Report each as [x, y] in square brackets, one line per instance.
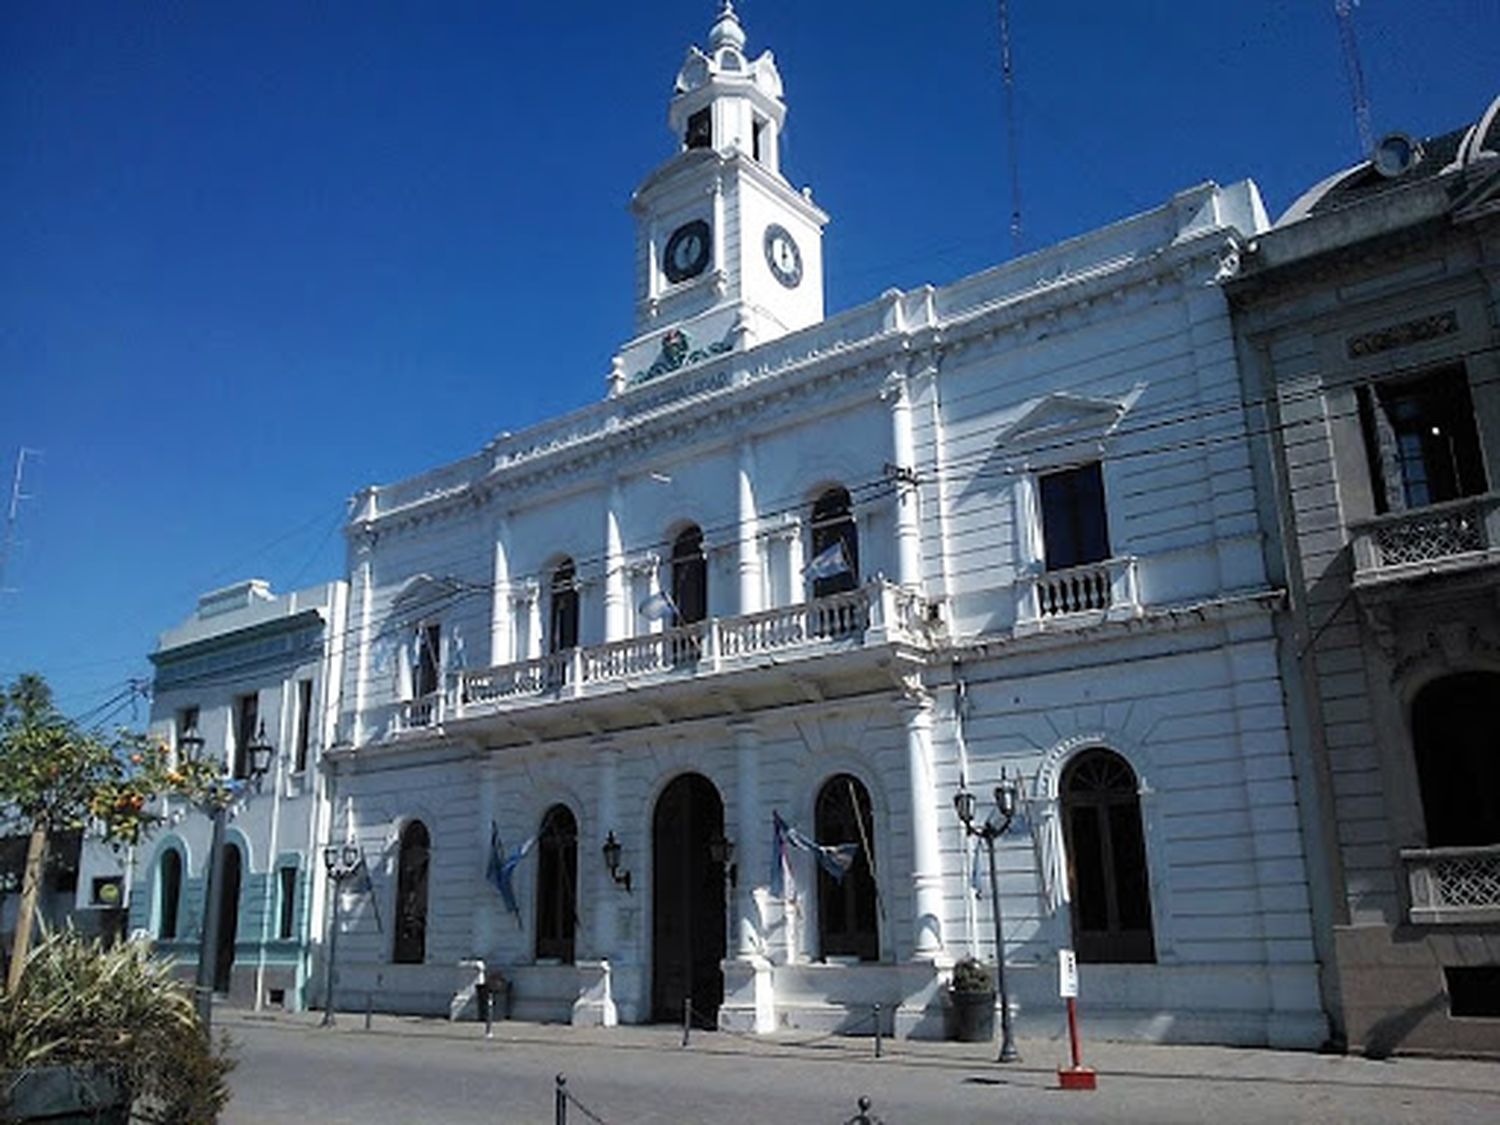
[55, 777]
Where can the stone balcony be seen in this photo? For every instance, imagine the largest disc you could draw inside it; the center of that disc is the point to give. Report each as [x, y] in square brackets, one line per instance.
[876, 615]
[1443, 538]
[1081, 595]
[1453, 886]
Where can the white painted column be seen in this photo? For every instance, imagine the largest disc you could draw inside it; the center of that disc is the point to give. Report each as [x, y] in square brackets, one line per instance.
[749, 539]
[500, 609]
[534, 623]
[616, 597]
[749, 852]
[926, 866]
[607, 895]
[801, 589]
[364, 570]
[903, 447]
[485, 934]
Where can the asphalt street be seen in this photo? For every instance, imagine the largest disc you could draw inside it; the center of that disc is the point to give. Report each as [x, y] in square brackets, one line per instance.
[403, 1071]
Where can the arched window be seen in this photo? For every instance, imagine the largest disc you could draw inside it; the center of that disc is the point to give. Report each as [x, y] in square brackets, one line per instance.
[410, 947]
[1457, 748]
[563, 633]
[689, 576]
[557, 885]
[1106, 859]
[168, 894]
[835, 545]
[847, 907]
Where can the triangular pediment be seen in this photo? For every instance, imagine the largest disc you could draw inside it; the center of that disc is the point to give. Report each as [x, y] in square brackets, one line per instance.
[1062, 415]
[421, 587]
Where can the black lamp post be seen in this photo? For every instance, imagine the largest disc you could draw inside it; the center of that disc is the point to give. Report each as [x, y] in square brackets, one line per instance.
[612, 862]
[989, 832]
[341, 862]
[216, 802]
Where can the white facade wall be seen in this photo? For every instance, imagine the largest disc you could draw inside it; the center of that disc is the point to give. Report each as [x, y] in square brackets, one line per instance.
[1114, 347]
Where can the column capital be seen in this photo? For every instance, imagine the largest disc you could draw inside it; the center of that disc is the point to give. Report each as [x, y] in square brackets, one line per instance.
[912, 696]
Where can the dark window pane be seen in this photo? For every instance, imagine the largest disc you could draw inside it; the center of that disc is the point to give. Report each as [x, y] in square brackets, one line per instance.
[1090, 891]
[304, 724]
[689, 577]
[429, 660]
[288, 912]
[563, 633]
[700, 130]
[247, 715]
[1423, 443]
[847, 908]
[1074, 524]
[1457, 747]
[410, 946]
[169, 890]
[557, 885]
[833, 524]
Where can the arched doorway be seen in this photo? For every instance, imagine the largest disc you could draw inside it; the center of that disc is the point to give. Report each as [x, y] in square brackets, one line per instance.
[687, 902]
[847, 907]
[1458, 759]
[229, 918]
[1111, 889]
[556, 885]
[410, 944]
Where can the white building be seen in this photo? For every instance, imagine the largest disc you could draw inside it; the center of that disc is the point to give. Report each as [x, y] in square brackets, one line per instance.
[1039, 480]
[247, 663]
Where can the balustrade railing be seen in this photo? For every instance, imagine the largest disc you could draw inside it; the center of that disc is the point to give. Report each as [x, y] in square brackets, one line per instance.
[424, 711]
[1104, 588]
[1440, 534]
[874, 613]
[1453, 885]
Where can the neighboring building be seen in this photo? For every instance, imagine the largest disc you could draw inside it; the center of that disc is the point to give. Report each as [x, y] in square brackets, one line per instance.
[829, 570]
[1369, 327]
[247, 663]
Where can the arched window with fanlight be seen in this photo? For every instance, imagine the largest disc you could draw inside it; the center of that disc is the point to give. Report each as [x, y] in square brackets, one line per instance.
[1106, 844]
[168, 894]
[848, 909]
[557, 885]
[835, 544]
[413, 859]
[689, 576]
[562, 632]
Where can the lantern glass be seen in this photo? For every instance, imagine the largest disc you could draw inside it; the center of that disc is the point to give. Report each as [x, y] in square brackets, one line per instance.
[611, 853]
[351, 856]
[963, 803]
[1005, 798]
[330, 858]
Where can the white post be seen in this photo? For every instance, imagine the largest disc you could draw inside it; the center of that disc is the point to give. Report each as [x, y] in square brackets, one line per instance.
[750, 855]
[926, 875]
[749, 541]
[500, 609]
[903, 446]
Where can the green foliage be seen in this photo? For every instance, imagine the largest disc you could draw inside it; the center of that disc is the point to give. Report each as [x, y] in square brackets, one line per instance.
[80, 1004]
[55, 776]
[970, 975]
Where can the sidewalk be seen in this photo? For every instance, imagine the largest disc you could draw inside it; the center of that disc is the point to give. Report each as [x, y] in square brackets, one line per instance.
[1039, 1057]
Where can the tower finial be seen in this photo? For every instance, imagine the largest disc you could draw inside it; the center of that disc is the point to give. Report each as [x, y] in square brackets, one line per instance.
[727, 31]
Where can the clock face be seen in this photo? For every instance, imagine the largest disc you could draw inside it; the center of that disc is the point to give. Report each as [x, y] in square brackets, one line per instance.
[783, 256]
[686, 254]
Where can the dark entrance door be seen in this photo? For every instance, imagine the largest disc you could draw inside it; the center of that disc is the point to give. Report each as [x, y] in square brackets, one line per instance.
[229, 918]
[687, 902]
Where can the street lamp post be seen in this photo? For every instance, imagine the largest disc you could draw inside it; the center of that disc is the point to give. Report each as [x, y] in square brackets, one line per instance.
[989, 832]
[216, 802]
[341, 863]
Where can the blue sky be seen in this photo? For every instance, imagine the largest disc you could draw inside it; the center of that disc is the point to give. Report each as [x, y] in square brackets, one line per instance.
[256, 256]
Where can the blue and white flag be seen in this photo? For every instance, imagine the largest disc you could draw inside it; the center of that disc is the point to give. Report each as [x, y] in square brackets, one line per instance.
[830, 562]
[658, 607]
[836, 859]
[501, 868]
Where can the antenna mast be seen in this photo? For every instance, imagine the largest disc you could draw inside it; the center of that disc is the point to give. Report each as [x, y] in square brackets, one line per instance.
[1344, 10]
[1008, 72]
[16, 496]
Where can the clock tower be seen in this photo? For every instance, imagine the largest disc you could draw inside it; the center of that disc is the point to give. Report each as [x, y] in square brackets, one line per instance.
[728, 253]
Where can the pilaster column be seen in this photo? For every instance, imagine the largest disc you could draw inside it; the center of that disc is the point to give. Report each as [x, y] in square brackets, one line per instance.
[534, 623]
[606, 894]
[485, 917]
[749, 849]
[749, 540]
[616, 601]
[904, 449]
[500, 610]
[926, 867]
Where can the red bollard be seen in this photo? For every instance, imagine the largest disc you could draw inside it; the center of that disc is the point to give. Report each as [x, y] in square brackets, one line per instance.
[1077, 1076]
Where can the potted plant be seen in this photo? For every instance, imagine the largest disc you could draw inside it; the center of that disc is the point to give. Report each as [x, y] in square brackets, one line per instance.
[90, 1033]
[973, 1000]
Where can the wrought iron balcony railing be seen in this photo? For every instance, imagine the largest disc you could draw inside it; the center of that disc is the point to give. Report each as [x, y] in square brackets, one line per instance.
[1453, 885]
[1449, 536]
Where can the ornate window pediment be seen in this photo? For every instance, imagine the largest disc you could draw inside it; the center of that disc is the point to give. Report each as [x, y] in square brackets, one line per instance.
[1064, 417]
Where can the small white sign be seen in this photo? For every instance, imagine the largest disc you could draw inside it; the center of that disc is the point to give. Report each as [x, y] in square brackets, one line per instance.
[1067, 973]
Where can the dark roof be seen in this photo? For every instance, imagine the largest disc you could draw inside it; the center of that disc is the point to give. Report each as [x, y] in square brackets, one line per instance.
[1365, 183]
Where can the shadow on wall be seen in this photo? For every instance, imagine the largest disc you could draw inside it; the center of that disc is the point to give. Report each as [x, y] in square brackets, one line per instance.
[1386, 1035]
